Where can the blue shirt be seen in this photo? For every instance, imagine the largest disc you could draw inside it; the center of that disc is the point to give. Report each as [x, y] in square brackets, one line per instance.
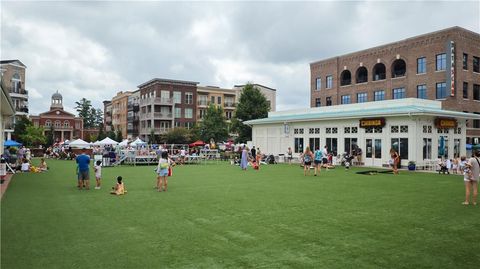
[83, 161]
[318, 155]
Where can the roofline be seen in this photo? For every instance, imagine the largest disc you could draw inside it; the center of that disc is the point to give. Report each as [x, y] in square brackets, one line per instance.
[57, 109]
[257, 85]
[12, 61]
[399, 41]
[173, 81]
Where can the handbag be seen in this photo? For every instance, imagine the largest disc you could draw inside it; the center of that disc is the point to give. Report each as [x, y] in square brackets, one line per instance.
[170, 171]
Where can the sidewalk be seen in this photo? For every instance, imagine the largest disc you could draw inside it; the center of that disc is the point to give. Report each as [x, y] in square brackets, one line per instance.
[4, 185]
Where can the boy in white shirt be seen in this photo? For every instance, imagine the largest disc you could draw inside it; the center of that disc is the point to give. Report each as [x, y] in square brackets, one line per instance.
[98, 173]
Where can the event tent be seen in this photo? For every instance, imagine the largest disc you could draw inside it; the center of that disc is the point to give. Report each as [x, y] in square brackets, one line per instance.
[79, 143]
[106, 141]
[137, 142]
[124, 143]
[11, 143]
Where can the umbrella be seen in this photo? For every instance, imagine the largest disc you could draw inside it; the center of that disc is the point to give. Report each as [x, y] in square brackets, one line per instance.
[11, 143]
[441, 146]
[197, 143]
[79, 143]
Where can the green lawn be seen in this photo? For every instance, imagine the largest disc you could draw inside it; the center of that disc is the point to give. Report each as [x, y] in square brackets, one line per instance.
[217, 216]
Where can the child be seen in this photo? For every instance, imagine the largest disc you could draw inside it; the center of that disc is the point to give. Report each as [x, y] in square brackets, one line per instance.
[3, 169]
[162, 171]
[43, 165]
[25, 166]
[119, 188]
[98, 173]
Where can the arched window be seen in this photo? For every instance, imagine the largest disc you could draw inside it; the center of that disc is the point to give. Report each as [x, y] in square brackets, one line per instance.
[58, 124]
[399, 68]
[66, 124]
[345, 78]
[362, 75]
[48, 123]
[379, 72]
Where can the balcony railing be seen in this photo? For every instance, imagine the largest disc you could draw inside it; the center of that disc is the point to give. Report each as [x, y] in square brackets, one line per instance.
[156, 101]
[148, 130]
[203, 103]
[229, 104]
[156, 116]
[22, 109]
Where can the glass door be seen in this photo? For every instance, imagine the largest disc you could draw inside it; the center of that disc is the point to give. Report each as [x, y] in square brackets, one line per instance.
[373, 152]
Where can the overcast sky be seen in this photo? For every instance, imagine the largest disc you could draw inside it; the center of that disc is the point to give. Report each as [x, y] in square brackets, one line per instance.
[94, 49]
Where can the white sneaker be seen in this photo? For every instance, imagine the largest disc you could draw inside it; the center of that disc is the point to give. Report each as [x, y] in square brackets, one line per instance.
[97, 188]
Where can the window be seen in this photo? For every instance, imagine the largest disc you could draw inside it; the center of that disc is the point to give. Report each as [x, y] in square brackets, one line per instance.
[443, 150]
[354, 130]
[346, 130]
[66, 124]
[345, 78]
[465, 90]
[212, 100]
[427, 148]
[331, 144]
[441, 90]
[441, 63]
[189, 125]
[399, 68]
[379, 72]
[317, 102]
[328, 130]
[188, 113]
[334, 130]
[351, 144]
[476, 64]
[371, 130]
[178, 112]
[189, 98]
[400, 145]
[177, 97]
[422, 91]
[219, 100]
[314, 143]
[48, 123]
[178, 124]
[329, 84]
[362, 75]
[398, 93]
[394, 129]
[476, 123]
[427, 129]
[298, 131]
[404, 129]
[345, 99]
[298, 144]
[379, 95]
[328, 101]
[421, 65]
[362, 97]
[465, 61]
[58, 124]
[318, 84]
[476, 92]
[228, 115]
[310, 130]
[317, 130]
[163, 94]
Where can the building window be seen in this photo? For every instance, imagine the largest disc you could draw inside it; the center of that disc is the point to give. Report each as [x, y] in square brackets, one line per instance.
[345, 99]
[465, 90]
[441, 90]
[202, 100]
[318, 84]
[379, 72]
[422, 91]
[427, 129]
[228, 115]
[177, 97]
[66, 124]
[317, 102]
[421, 65]
[476, 64]
[219, 100]
[362, 97]
[400, 145]
[178, 124]
[317, 130]
[298, 145]
[188, 113]
[328, 130]
[164, 95]
[441, 63]
[362, 75]
[48, 123]
[427, 148]
[399, 68]
[328, 101]
[398, 93]
[298, 131]
[379, 95]
[476, 123]
[404, 129]
[354, 130]
[189, 98]
[476, 92]
[345, 78]
[58, 124]
[394, 129]
[465, 61]
[178, 112]
[310, 130]
[370, 130]
[350, 145]
[329, 82]
[346, 130]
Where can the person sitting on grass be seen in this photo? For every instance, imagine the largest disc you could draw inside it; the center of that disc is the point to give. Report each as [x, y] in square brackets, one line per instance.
[119, 188]
[25, 166]
[43, 165]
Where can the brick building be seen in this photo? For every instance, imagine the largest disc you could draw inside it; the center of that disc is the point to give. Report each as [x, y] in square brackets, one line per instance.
[443, 65]
[225, 98]
[133, 113]
[166, 103]
[119, 112]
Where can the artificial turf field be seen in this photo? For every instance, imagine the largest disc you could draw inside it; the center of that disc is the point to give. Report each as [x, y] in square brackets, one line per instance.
[217, 216]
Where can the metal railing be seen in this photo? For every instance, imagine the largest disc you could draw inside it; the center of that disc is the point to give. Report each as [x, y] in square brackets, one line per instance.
[156, 101]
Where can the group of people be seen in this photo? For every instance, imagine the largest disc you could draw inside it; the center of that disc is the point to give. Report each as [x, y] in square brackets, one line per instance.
[454, 166]
[319, 158]
[252, 158]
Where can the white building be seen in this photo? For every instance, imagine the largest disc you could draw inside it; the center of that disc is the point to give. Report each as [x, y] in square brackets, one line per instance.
[6, 111]
[414, 127]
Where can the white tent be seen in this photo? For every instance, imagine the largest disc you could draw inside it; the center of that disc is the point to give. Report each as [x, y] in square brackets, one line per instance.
[96, 143]
[137, 142]
[79, 143]
[106, 141]
[124, 143]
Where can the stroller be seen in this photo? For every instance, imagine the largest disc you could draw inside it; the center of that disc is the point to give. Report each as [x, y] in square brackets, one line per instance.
[346, 160]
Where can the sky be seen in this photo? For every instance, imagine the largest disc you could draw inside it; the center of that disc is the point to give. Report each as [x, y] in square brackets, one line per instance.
[94, 49]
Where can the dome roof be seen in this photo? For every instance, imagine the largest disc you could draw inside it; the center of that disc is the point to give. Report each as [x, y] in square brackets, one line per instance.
[56, 96]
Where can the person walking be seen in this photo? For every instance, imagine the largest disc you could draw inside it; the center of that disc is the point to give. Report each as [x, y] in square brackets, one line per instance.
[471, 179]
[244, 159]
[290, 155]
[83, 162]
[395, 160]
[307, 160]
[317, 161]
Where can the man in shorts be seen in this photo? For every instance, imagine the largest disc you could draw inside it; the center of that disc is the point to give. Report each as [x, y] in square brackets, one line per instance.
[325, 157]
[83, 162]
[471, 185]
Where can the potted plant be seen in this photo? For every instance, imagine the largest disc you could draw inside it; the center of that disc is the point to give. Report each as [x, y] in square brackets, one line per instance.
[411, 165]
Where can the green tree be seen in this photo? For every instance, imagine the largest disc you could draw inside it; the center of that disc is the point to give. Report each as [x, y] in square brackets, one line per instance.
[252, 105]
[84, 109]
[33, 136]
[101, 133]
[96, 117]
[213, 124]
[50, 137]
[21, 127]
[153, 138]
[112, 134]
[177, 136]
[119, 136]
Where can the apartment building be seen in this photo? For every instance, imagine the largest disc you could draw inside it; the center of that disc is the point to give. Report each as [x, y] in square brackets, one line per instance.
[224, 98]
[165, 104]
[443, 66]
[107, 115]
[133, 115]
[119, 112]
[269, 93]
[13, 76]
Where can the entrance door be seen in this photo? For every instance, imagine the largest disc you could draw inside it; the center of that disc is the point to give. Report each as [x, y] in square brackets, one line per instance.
[373, 153]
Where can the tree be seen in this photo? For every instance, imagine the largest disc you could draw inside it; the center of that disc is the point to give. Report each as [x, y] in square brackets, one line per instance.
[50, 137]
[153, 138]
[33, 136]
[20, 127]
[101, 133]
[252, 105]
[84, 109]
[119, 136]
[213, 125]
[112, 134]
[177, 136]
[97, 117]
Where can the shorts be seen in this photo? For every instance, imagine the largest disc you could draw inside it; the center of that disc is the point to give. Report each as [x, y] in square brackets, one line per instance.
[324, 160]
[163, 172]
[308, 163]
[317, 162]
[84, 175]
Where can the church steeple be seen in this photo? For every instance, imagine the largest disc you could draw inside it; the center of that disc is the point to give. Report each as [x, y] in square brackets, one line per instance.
[57, 101]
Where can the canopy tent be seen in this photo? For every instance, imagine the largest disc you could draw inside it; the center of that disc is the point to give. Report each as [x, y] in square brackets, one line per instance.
[11, 143]
[137, 142]
[106, 141]
[124, 143]
[197, 143]
[66, 142]
[79, 143]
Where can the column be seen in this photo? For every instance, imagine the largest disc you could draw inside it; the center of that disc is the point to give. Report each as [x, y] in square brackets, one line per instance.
[62, 136]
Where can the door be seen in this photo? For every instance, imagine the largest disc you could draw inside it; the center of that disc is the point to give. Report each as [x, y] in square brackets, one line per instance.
[373, 153]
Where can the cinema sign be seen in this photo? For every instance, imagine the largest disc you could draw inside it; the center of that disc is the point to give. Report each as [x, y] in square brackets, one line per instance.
[372, 122]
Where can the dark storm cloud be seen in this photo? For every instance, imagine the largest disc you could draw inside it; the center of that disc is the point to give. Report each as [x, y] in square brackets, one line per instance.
[94, 49]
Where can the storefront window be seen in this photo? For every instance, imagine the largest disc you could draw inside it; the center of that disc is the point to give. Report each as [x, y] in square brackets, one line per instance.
[456, 148]
[401, 146]
[427, 148]
[350, 144]
[314, 143]
[332, 145]
[298, 142]
[442, 147]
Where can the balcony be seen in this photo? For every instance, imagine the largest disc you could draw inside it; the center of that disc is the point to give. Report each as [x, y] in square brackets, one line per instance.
[19, 94]
[156, 116]
[229, 104]
[156, 101]
[23, 109]
[158, 131]
[203, 103]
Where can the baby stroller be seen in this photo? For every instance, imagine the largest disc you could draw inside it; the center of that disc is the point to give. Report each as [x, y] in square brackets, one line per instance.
[269, 159]
[347, 160]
